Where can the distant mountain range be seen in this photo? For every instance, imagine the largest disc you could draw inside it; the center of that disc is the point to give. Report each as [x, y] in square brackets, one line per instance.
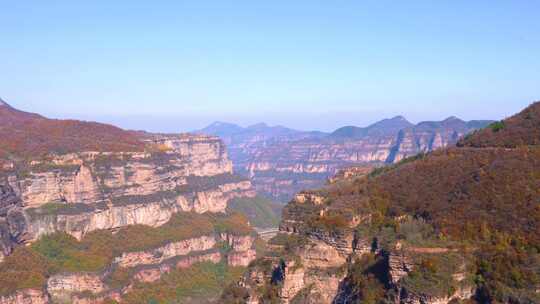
[234, 134]
[282, 161]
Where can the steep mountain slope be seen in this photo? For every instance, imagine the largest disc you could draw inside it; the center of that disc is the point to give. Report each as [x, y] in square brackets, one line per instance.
[520, 129]
[457, 224]
[90, 213]
[282, 162]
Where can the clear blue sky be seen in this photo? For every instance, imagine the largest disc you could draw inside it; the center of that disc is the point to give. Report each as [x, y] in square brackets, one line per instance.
[178, 65]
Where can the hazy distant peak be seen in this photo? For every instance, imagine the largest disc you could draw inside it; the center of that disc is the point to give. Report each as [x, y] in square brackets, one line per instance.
[221, 124]
[259, 125]
[3, 103]
[220, 128]
[396, 122]
[399, 118]
[452, 118]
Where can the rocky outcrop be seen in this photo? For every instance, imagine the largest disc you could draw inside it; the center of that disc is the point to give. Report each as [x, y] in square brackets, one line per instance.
[12, 221]
[154, 273]
[158, 255]
[350, 172]
[62, 284]
[238, 242]
[399, 265]
[463, 293]
[241, 258]
[27, 296]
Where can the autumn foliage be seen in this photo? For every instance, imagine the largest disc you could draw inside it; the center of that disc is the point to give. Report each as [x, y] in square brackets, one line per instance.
[28, 135]
[518, 130]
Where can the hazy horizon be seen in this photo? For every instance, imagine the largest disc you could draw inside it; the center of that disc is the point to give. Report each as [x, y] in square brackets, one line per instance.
[169, 124]
[308, 65]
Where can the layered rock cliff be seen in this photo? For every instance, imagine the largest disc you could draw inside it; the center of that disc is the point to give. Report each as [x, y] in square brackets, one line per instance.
[148, 266]
[83, 192]
[281, 161]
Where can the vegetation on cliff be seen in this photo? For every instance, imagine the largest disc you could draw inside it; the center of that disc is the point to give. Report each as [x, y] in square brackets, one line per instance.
[30, 266]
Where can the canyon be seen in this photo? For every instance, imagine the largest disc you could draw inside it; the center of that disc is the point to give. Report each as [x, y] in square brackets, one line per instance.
[136, 210]
[281, 161]
[407, 214]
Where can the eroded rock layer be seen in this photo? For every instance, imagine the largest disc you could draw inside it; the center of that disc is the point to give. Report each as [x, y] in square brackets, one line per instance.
[83, 192]
[282, 162]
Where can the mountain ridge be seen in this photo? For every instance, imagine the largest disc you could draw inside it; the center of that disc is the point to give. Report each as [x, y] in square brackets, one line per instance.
[283, 161]
[398, 122]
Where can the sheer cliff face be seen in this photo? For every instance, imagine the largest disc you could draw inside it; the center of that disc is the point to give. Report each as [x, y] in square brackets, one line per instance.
[91, 191]
[98, 192]
[89, 177]
[282, 162]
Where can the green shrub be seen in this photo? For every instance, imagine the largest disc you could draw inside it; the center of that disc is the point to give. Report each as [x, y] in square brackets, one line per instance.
[497, 126]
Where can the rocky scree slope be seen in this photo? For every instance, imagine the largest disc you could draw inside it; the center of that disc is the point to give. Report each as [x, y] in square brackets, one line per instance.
[81, 179]
[455, 225]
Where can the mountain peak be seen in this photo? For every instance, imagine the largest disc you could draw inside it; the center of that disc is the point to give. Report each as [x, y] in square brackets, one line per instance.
[220, 128]
[396, 122]
[450, 118]
[399, 118]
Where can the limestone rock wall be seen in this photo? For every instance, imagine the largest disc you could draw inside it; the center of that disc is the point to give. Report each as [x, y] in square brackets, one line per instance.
[148, 266]
[90, 176]
[82, 192]
[27, 296]
[158, 255]
[316, 269]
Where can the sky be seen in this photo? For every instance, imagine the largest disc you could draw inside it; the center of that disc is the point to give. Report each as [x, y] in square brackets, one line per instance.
[173, 66]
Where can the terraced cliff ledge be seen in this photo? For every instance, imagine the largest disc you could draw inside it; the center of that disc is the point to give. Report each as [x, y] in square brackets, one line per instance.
[79, 193]
[105, 266]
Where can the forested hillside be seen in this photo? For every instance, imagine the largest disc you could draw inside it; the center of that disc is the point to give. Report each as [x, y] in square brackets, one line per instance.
[28, 135]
